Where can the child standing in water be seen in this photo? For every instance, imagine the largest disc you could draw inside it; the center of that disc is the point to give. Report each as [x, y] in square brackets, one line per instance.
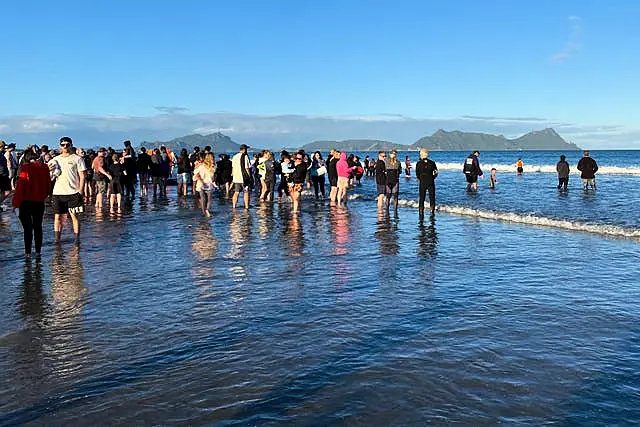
[492, 179]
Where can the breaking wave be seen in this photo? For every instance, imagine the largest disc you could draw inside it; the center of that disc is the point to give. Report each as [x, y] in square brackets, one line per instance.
[603, 229]
[607, 170]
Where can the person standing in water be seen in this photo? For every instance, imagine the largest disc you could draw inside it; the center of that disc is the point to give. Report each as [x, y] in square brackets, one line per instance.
[493, 179]
[332, 174]
[588, 168]
[32, 189]
[344, 173]
[393, 169]
[562, 167]
[203, 180]
[117, 172]
[381, 177]
[407, 167]
[67, 199]
[519, 166]
[472, 171]
[297, 180]
[426, 172]
[240, 170]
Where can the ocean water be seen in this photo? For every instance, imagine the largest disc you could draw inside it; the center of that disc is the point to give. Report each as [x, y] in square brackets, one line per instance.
[518, 306]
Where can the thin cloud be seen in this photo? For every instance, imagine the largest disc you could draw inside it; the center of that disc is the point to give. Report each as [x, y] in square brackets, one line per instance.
[575, 40]
[171, 110]
[291, 130]
[508, 119]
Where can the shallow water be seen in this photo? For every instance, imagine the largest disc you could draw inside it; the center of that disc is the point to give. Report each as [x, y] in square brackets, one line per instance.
[349, 317]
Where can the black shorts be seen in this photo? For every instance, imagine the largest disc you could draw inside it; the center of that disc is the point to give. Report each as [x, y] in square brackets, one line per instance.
[5, 183]
[63, 204]
[382, 189]
[333, 182]
[471, 179]
[519, 170]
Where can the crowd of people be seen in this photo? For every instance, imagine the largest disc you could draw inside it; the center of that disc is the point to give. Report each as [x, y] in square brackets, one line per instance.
[72, 177]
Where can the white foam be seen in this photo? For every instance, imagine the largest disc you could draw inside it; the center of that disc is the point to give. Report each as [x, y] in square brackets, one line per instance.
[606, 170]
[603, 229]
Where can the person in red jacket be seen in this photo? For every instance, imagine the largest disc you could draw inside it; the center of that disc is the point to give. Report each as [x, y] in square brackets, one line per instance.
[32, 189]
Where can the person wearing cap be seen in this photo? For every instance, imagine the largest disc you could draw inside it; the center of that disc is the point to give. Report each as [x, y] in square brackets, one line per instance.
[240, 170]
[67, 199]
[562, 167]
[32, 189]
[101, 176]
[5, 182]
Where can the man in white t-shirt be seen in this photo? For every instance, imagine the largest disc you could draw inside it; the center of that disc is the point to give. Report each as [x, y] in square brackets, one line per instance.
[241, 173]
[68, 171]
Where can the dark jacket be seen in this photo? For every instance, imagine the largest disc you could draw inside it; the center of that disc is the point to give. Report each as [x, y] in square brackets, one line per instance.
[472, 166]
[426, 171]
[381, 175]
[562, 167]
[588, 167]
[143, 163]
[299, 174]
[332, 172]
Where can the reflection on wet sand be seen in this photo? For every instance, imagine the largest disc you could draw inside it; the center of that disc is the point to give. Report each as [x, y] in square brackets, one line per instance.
[204, 244]
[339, 219]
[293, 244]
[204, 247]
[427, 238]
[32, 302]
[67, 347]
[266, 222]
[239, 248]
[387, 232]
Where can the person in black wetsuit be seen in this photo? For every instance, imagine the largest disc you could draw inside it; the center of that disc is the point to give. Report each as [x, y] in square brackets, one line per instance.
[426, 172]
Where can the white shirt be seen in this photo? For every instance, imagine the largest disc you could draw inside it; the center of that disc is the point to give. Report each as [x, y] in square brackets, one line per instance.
[237, 170]
[68, 180]
[205, 181]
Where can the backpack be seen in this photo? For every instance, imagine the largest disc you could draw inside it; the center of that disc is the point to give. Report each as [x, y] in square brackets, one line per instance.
[468, 168]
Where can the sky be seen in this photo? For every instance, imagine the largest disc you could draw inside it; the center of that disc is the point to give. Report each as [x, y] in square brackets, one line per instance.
[259, 69]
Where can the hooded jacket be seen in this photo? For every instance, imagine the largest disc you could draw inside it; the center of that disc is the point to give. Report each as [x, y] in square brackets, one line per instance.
[343, 168]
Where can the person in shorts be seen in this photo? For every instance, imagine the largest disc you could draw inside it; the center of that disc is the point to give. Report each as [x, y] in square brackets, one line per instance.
[101, 176]
[67, 200]
[240, 170]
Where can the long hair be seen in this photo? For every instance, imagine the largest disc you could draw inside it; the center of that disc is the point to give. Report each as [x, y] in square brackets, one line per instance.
[209, 162]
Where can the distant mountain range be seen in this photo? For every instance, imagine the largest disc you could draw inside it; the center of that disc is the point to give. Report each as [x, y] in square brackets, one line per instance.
[219, 142]
[547, 139]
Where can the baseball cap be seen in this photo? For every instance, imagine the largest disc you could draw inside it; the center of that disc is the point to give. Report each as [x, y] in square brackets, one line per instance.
[101, 150]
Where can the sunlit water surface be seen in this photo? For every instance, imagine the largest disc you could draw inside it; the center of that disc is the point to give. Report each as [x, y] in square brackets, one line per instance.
[336, 316]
